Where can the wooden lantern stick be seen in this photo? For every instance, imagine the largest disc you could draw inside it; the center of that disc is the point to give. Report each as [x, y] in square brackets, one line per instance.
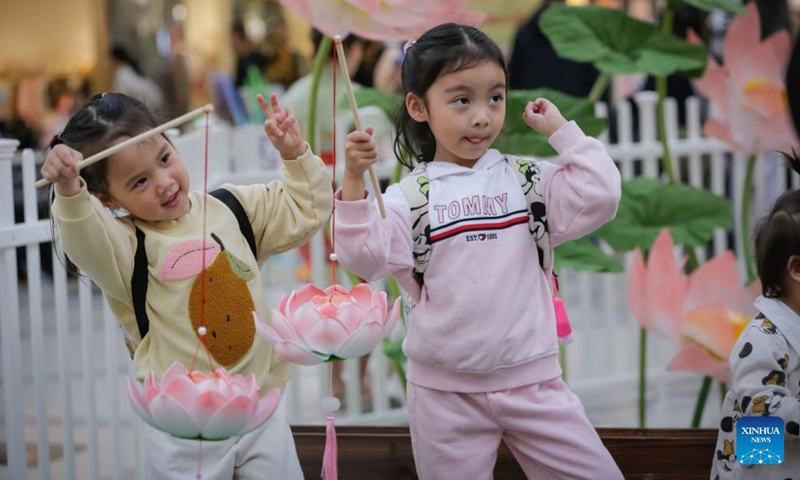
[337, 41]
[138, 138]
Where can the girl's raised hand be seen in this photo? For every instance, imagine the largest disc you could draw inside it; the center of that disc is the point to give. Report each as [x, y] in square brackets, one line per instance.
[61, 169]
[544, 117]
[359, 153]
[282, 128]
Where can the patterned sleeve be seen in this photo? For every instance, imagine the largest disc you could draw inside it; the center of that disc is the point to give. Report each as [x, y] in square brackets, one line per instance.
[762, 373]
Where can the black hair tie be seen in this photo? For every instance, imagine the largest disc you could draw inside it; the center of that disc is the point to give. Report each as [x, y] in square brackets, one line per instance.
[56, 140]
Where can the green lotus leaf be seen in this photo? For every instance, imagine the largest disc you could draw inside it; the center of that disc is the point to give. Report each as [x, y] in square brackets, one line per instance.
[708, 5]
[583, 254]
[647, 206]
[618, 44]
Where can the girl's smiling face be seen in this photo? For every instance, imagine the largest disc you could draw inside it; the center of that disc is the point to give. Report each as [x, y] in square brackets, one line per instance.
[149, 180]
[465, 111]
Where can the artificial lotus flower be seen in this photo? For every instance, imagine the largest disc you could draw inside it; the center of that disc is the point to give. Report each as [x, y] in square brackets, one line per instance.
[381, 19]
[194, 405]
[312, 325]
[703, 312]
[657, 289]
[749, 90]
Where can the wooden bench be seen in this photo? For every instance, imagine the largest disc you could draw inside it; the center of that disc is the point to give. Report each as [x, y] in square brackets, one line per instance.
[372, 453]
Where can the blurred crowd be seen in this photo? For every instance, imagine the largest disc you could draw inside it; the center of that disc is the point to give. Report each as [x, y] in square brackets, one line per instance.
[35, 108]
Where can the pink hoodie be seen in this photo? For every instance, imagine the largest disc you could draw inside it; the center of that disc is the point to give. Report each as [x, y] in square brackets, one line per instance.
[484, 320]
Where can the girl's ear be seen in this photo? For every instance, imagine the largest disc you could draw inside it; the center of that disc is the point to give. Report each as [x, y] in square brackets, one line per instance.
[416, 108]
[793, 268]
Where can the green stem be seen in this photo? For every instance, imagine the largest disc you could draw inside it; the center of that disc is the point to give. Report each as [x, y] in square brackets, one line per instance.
[599, 87]
[701, 402]
[723, 391]
[668, 19]
[661, 88]
[693, 262]
[747, 193]
[398, 359]
[401, 373]
[323, 53]
[666, 157]
[642, 376]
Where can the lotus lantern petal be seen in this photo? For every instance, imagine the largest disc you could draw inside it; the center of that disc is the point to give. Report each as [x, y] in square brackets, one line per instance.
[194, 405]
[384, 19]
[312, 325]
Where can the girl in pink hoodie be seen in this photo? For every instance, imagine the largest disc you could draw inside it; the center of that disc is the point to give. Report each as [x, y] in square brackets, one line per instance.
[481, 344]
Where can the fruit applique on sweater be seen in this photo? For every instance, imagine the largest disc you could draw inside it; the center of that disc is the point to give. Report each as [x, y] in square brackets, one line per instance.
[230, 330]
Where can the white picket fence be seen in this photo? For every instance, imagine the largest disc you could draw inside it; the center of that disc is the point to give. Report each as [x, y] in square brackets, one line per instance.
[64, 408]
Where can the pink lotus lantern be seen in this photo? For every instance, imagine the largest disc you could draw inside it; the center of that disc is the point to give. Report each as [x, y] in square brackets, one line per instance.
[199, 406]
[382, 20]
[311, 325]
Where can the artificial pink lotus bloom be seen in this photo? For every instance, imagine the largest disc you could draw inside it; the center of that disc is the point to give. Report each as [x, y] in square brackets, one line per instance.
[382, 19]
[703, 312]
[657, 289]
[199, 406]
[312, 326]
[749, 90]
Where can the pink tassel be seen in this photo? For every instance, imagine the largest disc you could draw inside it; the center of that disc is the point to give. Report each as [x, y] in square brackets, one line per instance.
[330, 470]
[563, 327]
[329, 466]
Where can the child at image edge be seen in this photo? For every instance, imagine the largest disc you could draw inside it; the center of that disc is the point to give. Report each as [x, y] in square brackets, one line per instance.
[481, 343]
[765, 361]
[150, 182]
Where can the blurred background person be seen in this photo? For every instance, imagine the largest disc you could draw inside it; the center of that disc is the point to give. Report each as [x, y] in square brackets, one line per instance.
[365, 74]
[127, 78]
[61, 103]
[247, 55]
[534, 62]
[387, 71]
[686, 19]
[285, 63]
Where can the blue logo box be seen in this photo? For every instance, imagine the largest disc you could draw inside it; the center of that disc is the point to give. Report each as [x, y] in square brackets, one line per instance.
[759, 440]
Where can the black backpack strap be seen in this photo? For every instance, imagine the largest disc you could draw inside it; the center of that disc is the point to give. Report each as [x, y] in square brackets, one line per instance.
[139, 285]
[229, 199]
[140, 273]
